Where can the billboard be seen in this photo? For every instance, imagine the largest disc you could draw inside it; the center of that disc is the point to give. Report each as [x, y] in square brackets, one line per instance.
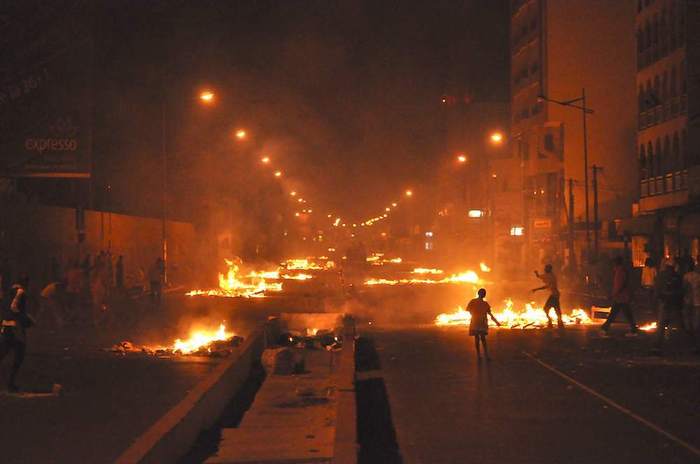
[45, 97]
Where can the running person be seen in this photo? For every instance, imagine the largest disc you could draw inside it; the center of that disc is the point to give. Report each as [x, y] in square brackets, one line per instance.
[550, 283]
[479, 324]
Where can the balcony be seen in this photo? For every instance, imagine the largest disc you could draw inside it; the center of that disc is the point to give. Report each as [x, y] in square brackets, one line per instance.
[668, 183]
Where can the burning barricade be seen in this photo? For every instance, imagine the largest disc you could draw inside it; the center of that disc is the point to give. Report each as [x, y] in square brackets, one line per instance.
[236, 283]
[201, 342]
[529, 317]
[465, 277]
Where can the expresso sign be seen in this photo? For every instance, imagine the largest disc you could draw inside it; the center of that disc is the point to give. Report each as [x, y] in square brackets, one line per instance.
[40, 145]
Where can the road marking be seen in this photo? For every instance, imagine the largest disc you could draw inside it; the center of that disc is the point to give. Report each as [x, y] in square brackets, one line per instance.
[615, 405]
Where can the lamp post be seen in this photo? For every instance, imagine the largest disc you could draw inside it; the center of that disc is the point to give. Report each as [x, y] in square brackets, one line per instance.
[463, 161]
[205, 97]
[574, 103]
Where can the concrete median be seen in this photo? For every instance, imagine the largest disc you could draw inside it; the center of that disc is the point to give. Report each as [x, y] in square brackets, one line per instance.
[174, 433]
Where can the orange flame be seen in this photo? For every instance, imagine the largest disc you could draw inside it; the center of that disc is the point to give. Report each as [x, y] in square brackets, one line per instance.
[529, 317]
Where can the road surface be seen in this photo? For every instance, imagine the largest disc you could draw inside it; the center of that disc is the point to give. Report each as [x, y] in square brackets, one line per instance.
[543, 398]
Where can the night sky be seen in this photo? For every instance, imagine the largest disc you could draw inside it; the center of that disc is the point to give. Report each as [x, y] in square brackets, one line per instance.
[344, 94]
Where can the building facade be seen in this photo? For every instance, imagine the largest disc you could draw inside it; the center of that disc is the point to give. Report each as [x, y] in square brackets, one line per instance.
[562, 50]
[666, 224]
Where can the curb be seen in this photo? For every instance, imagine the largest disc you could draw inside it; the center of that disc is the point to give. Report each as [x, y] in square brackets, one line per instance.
[172, 436]
[345, 443]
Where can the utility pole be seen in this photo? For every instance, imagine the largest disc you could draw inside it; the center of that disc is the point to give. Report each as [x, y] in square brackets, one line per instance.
[584, 112]
[164, 198]
[572, 254]
[595, 209]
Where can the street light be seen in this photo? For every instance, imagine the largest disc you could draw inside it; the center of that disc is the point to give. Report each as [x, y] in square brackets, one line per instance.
[496, 138]
[461, 158]
[241, 134]
[278, 173]
[207, 97]
[409, 193]
[265, 160]
[573, 103]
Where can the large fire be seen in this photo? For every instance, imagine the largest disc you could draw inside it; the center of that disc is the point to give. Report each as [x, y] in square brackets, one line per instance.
[529, 317]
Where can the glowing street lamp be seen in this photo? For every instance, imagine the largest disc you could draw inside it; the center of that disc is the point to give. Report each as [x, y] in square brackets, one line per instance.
[265, 160]
[409, 193]
[293, 193]
[241, 134]
[278, 173]
[496, 138]
[461, 158]
[207, 97]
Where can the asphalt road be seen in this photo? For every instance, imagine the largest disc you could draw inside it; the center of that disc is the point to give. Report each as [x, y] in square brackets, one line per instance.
[543, 398]
[108, 399]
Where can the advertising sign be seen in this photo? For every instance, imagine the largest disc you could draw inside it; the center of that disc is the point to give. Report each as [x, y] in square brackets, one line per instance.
[45, 103]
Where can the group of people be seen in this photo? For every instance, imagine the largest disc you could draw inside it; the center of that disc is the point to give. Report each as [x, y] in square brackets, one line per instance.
[674, 292]
[84, 293]
[86, 284]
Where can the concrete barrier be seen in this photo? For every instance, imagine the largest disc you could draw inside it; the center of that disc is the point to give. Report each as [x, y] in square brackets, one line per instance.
[345, 443]
[175, 433]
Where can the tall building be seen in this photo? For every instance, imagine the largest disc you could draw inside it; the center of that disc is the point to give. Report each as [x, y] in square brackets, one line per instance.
[561, 50]
[668, 64]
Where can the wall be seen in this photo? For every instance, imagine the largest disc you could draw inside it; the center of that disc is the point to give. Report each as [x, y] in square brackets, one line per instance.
[31, 235]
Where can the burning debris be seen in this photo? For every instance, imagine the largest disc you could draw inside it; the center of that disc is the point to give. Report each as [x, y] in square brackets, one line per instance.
[256, 284]
[215, 343]
[651, 326]
[233, 284]
[378, 259]
[530, 317]
[423, 270]
[466, 277]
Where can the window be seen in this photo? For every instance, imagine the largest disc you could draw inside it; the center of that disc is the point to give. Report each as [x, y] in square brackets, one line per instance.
[674, 87]
[676, 161]
[660, 161]
[652, 161]
[640, 98]
[549, 142]
[643, 170]
[683, 79]
[666, 161]
[664, 87]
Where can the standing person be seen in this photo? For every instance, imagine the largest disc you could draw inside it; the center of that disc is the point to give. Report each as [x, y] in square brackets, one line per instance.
[621, 298]
[649, 272]
[155, 277]
[119, 273]
[550, 283]
[691, 281]
[479, 324]
[669, 294]
[13, 335]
